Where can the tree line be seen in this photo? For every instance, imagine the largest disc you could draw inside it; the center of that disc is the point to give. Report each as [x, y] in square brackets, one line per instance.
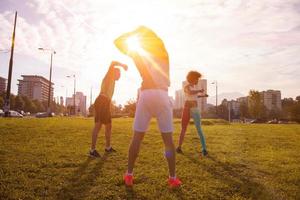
[254, 108]
[23, 103]
[118, 110]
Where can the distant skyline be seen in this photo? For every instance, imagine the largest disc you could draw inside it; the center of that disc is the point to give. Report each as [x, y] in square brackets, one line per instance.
[242, 44]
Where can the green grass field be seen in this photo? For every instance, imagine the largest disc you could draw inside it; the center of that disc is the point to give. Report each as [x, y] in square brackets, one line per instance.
[47, 159]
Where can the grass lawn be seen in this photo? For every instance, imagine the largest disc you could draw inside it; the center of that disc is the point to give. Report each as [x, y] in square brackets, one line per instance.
[47, 159]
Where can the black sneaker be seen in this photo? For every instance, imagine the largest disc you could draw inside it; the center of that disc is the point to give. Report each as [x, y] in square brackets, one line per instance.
[204, 153]
[94, 154]
[110, 150]
[178, 150]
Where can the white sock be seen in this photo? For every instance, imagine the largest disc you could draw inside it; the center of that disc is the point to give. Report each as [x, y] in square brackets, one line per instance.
[129, 174]
[172, 177]
[108, 148]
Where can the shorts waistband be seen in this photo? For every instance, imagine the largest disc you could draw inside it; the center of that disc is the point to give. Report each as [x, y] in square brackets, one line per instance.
[155, 88]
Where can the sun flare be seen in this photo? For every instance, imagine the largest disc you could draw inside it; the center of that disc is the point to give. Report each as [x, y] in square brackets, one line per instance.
[133, 44]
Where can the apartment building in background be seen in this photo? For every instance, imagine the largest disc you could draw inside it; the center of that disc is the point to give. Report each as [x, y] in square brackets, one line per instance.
[80, 103]
[35, 87]
[271, 99]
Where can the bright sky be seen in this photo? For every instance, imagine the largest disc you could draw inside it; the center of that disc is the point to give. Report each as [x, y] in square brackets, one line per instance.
[241, 43]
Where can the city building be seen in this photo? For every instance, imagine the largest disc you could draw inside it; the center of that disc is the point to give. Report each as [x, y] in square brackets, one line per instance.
[35, 87]
[61, 101]
[80, 103]
[2, 85]
[271, 99]
[235, 107]
[243, 100]
[180, 97]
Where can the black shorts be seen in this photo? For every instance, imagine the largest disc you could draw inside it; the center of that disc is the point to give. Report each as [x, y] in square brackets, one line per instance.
[102, 110]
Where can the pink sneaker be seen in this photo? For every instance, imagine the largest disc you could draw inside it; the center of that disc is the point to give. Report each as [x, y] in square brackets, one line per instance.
[128, 179]
[174, 183]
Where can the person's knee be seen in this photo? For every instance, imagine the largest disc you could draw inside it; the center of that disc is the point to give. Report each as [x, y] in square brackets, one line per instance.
[167, 138]
[97, 127]
[169, 153]
[137, 139]
[108, 127]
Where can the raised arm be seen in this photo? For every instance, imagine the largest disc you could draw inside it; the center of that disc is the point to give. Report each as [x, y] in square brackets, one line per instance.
[121, 44]
[112, 66]
[116, 63]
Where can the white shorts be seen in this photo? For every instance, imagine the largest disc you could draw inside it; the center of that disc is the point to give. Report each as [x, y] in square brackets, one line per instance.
[153, 103]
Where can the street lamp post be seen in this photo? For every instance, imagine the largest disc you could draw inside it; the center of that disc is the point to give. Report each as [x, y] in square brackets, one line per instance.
[50, 83]
[216, 83]
[74, 92]
[10, 68]
[229, 111]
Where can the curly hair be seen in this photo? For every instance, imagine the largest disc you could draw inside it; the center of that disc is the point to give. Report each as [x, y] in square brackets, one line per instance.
[192, 76]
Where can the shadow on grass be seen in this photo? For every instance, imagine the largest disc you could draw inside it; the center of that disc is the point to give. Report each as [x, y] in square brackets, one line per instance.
[130, 194]
[177, 192]
[234, 176]
[82, 180]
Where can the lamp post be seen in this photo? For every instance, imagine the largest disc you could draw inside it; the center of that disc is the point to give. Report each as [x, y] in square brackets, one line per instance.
[6, 106]
[216, 83]
[229, 111]
[74, 92]
[50, 76]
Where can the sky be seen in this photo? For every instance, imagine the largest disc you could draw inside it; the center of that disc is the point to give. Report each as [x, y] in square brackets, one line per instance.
[242, 44]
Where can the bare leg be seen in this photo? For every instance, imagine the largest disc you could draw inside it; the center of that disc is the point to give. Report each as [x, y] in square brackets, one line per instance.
[95, 132]
[185, 119]
[182, 134]
[134, 149]
[169, 152]
[107, 135]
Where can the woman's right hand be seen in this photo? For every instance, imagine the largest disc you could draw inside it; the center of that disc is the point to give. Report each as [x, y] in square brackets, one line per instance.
[116, 63]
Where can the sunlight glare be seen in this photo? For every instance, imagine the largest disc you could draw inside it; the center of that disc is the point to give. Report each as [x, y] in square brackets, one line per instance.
[133, 44]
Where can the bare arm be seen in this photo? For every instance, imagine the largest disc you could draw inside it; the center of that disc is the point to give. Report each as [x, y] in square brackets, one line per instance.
[191, 92]
[112, 66]
[120, 42]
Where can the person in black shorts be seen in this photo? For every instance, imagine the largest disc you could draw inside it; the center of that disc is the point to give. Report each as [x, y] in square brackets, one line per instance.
[102, 107]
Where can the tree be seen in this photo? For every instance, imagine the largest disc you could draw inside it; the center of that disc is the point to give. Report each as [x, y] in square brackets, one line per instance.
[274, 114]
[255, 104]
[19, 103]
[91, 110]
[287, 108]
[60, 108]
[12, 99]
[1, 102]
[3, 94]
[223, 111]
[244, 111]
[28, 105]
[38, 105]
[295, 110]
[130, 107]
